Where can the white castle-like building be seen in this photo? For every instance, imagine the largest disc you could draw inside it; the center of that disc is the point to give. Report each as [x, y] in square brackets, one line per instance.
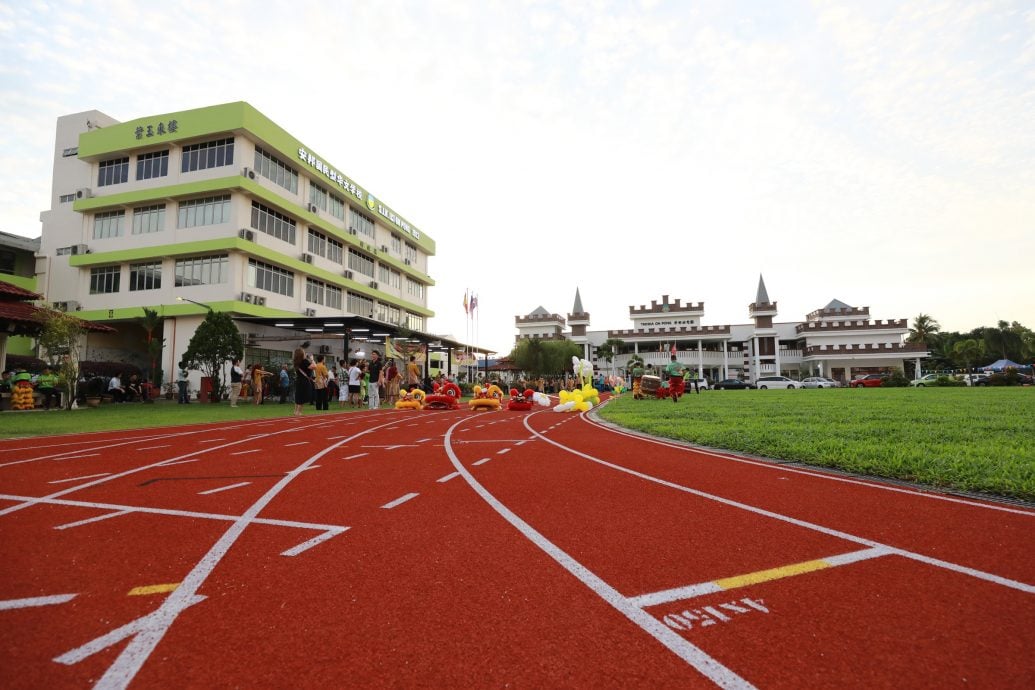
[838, 341]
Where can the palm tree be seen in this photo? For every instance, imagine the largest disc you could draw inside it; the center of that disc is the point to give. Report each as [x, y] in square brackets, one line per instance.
[152, 322]
[922, 329]
[967, 351]
[608, 350]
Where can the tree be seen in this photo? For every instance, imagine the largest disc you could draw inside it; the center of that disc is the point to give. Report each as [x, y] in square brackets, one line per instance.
[152, 322]
[60, 338]
[1004, 340]
[967, 351]
[608, 350]
[216, 341]
[539, 357]
[922, 329]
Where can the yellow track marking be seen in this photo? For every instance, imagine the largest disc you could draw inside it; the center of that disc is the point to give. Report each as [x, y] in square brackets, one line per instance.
[152, 589]
[771, 574]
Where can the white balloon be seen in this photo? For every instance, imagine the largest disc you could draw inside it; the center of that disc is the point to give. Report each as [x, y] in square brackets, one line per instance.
[564, 407]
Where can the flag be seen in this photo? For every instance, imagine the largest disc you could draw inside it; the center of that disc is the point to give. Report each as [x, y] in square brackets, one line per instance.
[673, 349]
[474, 303]
[466, 309]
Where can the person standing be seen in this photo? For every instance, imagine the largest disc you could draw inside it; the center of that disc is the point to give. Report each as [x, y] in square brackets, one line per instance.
[46, 384]
[285, 383]
[355, 376]
[303, 365]
[690, 379]
[376, 381]
[412, 373]
[181, 385]
[343, 383]
[236, 377]
[258, 374]
[637, 377]
[392, 378]
[320, 378]
[674, 371]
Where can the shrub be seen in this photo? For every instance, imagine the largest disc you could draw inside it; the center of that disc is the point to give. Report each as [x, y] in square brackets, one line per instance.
[896, 379]
[949, 381]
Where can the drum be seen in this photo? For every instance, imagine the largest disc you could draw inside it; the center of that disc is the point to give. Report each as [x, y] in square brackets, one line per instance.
[649, 384]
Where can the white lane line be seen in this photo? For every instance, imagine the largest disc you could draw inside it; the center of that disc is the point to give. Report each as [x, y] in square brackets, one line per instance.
[223, 488]
[77, 457]
[245, 452]
[818, 475]
[75, 479]
[694, 656]
[990, 577]
[93, 519]
[357, 455]
[212, 440]
[306, 545]
[298, 443]
[442, 480]
[503, 451]
[154, 626]
[10, 604]
[170, 463]
[481, 462]
[335, 438]
[399, 501]
[167, 445]
[422, 440]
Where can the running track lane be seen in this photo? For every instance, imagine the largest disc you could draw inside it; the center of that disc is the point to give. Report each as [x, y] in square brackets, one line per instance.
[442, 572]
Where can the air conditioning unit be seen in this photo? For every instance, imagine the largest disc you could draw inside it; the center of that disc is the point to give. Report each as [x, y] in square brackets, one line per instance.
[66, 306]
[312, 208]
[84, 193]
[407, 262]
[246, 234]
[307, 258]
[325, 349]
[373, 284]
[247, 297]
[310, 312]
[259, 301]
[352, 231]
[248, 172]
[80, 249]
[348, 274]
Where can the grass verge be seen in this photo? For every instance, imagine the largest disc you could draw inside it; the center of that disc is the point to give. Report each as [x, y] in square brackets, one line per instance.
[979, 440]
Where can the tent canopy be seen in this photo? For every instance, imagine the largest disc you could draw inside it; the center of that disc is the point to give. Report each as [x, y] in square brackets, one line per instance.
[1003, 364]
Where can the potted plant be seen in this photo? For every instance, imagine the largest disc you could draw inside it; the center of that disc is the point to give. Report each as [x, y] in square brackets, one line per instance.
[94, 391]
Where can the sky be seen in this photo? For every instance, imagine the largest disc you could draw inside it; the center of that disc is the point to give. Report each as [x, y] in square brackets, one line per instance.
[879, 153]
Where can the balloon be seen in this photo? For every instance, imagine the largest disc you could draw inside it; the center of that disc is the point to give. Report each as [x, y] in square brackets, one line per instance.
[542, 399]
[564, 407]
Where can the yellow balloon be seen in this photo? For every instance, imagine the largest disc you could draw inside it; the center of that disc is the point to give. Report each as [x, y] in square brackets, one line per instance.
[564, 395]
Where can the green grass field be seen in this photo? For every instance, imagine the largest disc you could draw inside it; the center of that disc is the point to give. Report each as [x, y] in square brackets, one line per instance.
[960, 438]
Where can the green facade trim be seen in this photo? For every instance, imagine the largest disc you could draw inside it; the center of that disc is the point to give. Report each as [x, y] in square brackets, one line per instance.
[25, 283]
[227, 118]
[183, 309]
[228, 244]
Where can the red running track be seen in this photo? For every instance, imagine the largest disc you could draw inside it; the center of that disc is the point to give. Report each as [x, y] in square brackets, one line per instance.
[473, 549]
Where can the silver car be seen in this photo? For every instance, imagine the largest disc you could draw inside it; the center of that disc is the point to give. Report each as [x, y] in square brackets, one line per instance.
[819, 382]
[764, 382]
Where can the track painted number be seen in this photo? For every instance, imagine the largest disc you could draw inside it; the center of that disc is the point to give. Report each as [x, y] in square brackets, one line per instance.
[710, 615]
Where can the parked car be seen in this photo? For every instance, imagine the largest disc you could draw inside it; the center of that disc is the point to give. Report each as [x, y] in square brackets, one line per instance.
[731, 384]
[926, 380]
[819, 382]
[976, 379]
[764, 382]
[868, 381]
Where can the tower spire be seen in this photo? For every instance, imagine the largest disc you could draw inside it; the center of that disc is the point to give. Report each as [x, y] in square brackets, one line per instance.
[577, 308]
[762, 297]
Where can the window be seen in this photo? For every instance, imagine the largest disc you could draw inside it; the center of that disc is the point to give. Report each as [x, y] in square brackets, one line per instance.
[386, 312]
[272, 168]
[361, 224]
[211, 210]
[150, 165]
[333, 297]
[104, 279]
[210, 154]
[336, 206]
[108, 224]
[202, 270]
[72, 151]
[318, 196]
[360, 305]
[7, 262]
[318, 292]
[397, 244]
[414, 289]
[361, 263]
[265, 219]
[66, 198]
[115, 171]
[411, 253]
[324, 246]
[268, 277]
[382, 273]
[145, 276]
[396, 280]
[414, 322]
[148, 219]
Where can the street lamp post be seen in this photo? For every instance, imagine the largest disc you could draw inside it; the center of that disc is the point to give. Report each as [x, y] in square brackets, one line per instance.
[200, 304]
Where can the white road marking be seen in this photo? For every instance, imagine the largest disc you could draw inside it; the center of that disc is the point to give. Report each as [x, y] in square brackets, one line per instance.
[245, 452]
[481, 462]
[357, 455]
[442, 480]
[10, 604]
[212, 440]
[75, 479]
[170, 463]
[298, 443]
[503, 451]
[306, 545]
[422, 440]
[696, 657]
[399, 501]
[94, 519]
[77, 457]
[223, 488]
[990, 577]
[167, 445]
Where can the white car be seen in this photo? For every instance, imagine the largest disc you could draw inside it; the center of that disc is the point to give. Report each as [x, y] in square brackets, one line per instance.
[764, 382]
[819, 382]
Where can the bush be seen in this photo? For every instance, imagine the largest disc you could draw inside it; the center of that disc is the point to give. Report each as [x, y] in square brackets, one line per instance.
[896, 379]
[108, 369]
[949, 381]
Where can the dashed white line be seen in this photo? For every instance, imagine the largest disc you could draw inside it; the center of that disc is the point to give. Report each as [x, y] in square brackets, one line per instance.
[223, 488]
[442, 480]
[503, 451]
[353, 457]
[245, 452]
[155, 447]
[399, 501]
[481, 462]
[76, 457]
[75, 479]
[212, 440]
[298, 443]
[178, 462]
[87, 521]
[422, 440]
[306, 545]
[35, 601]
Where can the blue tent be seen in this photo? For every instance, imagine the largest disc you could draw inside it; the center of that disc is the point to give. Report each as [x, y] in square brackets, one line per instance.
[1003, 364]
